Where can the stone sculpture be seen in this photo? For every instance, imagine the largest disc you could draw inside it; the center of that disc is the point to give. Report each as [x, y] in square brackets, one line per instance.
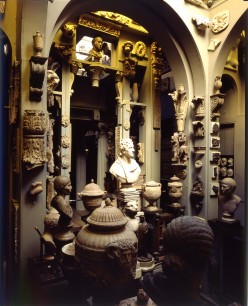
[181, 106]
[228, 201]
[62, 186]
[96, 51]
[125, 168]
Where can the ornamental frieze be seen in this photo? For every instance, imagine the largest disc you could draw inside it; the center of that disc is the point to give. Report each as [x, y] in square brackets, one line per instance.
[34, 122]
[99, 25]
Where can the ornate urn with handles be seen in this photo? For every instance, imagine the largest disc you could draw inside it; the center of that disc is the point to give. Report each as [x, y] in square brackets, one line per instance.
[151, 192]
[91, 196]
[106, 250]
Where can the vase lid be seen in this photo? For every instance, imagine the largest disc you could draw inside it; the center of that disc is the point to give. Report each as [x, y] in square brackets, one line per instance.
[151, 184]
[107, 217]
[91, 189]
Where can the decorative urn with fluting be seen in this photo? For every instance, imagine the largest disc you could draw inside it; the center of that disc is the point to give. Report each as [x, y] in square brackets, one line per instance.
[91, 196]
[151, 192]
[106, 250]
[175, 190]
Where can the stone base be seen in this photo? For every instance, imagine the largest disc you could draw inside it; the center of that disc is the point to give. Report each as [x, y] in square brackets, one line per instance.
[147, 266]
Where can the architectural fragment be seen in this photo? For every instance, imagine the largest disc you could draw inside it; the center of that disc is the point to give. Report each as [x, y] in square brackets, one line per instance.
[38, 69]
[220, 22]
[34, 127]
[181, 106]
[157, 61]
[217, 100]
[199, 104]
[214, 43]
[201, 22]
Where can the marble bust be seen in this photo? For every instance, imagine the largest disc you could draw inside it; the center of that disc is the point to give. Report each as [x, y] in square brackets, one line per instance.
[125, 168]
[228, 201]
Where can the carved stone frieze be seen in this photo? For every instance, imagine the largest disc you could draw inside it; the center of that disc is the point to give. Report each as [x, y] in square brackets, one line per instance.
[208, 4]
[99, 25]
[34, 122]
[220, 22]
[179, 149]
[121, 19]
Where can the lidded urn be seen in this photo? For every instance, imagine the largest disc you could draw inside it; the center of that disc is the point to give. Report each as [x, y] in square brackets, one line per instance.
[91, 196]
[106, 250]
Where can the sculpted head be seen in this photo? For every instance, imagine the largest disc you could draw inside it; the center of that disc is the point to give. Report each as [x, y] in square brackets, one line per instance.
[126, 147]
[227, 185]
[62, 184]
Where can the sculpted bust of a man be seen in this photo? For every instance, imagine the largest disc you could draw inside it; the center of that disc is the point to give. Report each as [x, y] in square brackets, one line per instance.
[228, 201]
[125, 169]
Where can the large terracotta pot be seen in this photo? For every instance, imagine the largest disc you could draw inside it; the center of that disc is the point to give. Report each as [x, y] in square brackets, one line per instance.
[106, 250]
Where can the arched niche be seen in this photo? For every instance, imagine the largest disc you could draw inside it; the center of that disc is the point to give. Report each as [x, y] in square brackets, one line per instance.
[164, 25]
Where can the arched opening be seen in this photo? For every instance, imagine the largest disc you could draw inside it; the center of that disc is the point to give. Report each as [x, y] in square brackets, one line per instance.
[183, 67]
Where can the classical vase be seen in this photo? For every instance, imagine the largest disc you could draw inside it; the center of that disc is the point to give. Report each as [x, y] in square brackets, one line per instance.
[151, 192]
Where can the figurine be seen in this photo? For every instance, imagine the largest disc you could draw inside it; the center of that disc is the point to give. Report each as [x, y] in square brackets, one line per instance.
[228, 201]
[125, 169]
[188, 242]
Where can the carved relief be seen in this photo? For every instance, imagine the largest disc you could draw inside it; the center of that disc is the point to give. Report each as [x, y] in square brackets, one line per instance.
[33, 152]
[34, 127]
[141, 151]
[129, 68]
[181, 106]
[99, 25]
[2, 6]
[204, 3]
[35, 188]
[52, 82]
[65, 161]
[65, 141]
[50, 157]
[157, 61]
[179, 149]
[65, 120]
[121, 19]
[217, 100]
[199, 129]
[139, 50]
[220, 22]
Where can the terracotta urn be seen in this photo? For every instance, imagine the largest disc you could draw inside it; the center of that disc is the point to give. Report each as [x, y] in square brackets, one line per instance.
[91, 196]
[151, 192]
[175, 190]
[106, 250]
